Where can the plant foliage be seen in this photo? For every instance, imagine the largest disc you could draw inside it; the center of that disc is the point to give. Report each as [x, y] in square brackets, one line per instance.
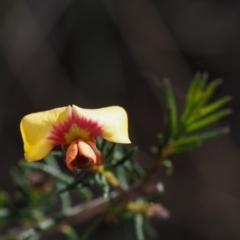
[44, 192]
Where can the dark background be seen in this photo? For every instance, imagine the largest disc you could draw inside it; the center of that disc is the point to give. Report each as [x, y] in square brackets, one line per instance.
[98, 53]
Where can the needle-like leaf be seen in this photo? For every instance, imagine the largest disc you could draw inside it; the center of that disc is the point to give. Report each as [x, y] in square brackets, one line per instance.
[208, 120]
[200, 137]
[171, 118]
[69, 232]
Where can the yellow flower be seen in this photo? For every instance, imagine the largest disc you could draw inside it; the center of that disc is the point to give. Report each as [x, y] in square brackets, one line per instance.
[75, 129]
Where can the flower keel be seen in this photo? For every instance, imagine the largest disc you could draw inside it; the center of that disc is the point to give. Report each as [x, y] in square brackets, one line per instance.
[83, 155]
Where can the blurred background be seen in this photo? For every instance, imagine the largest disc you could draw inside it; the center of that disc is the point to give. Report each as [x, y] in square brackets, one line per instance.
[116, 52]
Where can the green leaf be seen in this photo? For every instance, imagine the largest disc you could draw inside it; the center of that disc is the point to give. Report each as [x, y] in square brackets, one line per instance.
[184, 148]
[42, 226]
[171, 122]
[38, 203]
[121, 176]
[66, 201]
[168, 166]
[56, 153]
[154, 197]
[51, 161]
[109, 153]
[214, 106]
[69, 232]
[76, 183]
[212, 86]
[4, 198]
[64, 197]
[199, 90]
[139, 226]
[134, 169]
[100, 142]
[20, 182]
[202, 82]
[127, 156]
[35, 237]
[28, 234]
[192, 88]
[47, 169]
[198, 95]
[160, 140]
[127, 215]
[89, 232]
[148, 228]
[202, 101]
[208, 109]
[105, 147]
[103, 184]
[86, 193]
[200, 137]
[4, 213]
[208, 120]
[190, 96]
[138, 170]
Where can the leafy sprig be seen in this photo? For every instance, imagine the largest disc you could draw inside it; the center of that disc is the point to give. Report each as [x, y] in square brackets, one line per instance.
[198, 113]
[135, 201]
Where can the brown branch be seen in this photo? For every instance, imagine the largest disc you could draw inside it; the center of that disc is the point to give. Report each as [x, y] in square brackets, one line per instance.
[87, 211]
[164, 154]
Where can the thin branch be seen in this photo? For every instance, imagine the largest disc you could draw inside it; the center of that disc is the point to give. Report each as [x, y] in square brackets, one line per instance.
[85, 211]
[165, 153]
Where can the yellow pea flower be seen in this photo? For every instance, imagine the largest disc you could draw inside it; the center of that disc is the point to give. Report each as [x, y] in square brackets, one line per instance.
[75, 129]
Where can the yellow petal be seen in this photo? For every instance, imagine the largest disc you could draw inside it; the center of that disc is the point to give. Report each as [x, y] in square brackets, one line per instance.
[43, 130]
[35, 129]
[112, 120]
